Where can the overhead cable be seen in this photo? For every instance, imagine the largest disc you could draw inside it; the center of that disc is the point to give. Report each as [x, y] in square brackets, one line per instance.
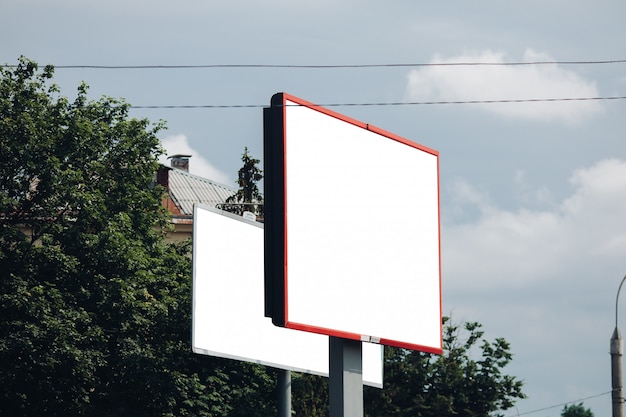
[560, 405]
[333, 66]
[413, 103]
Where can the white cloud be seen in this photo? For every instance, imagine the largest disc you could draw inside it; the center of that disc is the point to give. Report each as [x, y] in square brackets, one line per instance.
[545, 81]
[526, 194]
[528, 246]
[543, 279]
[198, 165]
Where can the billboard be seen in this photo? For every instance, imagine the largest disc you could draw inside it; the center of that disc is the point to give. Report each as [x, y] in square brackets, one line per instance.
[228, 319]
[352, 230]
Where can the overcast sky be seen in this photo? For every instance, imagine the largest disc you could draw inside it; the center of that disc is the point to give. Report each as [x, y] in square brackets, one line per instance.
[533, 193]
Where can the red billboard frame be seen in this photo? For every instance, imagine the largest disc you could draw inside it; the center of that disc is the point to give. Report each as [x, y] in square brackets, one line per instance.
[277, 224]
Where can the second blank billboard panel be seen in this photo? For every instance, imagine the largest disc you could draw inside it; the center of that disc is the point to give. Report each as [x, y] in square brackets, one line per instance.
[228, 319]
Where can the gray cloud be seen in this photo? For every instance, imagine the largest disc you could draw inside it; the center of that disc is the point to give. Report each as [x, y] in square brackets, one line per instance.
[546, 81]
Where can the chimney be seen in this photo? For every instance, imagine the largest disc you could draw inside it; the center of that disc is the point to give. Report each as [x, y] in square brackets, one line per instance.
[180, 162]
[163, 177]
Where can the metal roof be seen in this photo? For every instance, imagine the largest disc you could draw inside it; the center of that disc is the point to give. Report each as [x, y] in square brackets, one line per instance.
[187, 189]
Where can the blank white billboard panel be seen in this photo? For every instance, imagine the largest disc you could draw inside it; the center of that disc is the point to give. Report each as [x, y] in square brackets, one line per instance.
[228, 308]
[360, 228]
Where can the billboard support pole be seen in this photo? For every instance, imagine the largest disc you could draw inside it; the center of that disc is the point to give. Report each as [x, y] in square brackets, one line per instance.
[284, 393]
[345, 377]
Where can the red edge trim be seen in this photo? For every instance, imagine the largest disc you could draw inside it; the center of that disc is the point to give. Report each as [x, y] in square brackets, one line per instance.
[285, 233]
[366, 126]
[440, 273]
[320, 330]
[355, 336]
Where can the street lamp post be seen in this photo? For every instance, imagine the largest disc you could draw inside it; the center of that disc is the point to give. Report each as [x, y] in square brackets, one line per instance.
[617, 347]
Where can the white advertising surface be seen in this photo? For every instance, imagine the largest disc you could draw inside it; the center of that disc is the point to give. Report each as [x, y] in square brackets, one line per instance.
[361, 230]
[228, 303]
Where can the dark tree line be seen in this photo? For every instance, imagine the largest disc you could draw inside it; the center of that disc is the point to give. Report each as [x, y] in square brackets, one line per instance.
[94, 304]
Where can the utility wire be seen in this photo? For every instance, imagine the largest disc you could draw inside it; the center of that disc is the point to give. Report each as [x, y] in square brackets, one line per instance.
[414, 103]
[333, 66]
[441, 64]
[560, 405]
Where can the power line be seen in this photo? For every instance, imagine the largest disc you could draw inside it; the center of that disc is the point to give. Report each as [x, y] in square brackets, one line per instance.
[560, 405]
[333, 66]
[414, 103]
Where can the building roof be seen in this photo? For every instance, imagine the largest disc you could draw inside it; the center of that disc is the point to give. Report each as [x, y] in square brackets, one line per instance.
[186, 189]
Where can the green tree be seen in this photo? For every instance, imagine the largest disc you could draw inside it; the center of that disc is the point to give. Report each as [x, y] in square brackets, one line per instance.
[454, 383]
[418, 384]
[248, 197]
[94, 304]
[310, 396]
[576, 410]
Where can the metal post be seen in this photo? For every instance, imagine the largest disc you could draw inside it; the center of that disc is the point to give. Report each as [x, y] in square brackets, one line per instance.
[617, 347]
[616, 374]
[284, 393]
[345, 377]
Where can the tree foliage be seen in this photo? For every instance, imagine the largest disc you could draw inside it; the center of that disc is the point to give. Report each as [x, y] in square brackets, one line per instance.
[248, 197]
[576, 410]
[94, 305]
[467, 380]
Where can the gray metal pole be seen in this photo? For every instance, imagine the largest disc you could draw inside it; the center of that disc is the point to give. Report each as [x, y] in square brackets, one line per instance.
[617, 395]
[617, 348]
[345, 381]
[284, 393]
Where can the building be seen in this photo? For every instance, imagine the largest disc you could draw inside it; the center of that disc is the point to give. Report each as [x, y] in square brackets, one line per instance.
[184, 190]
